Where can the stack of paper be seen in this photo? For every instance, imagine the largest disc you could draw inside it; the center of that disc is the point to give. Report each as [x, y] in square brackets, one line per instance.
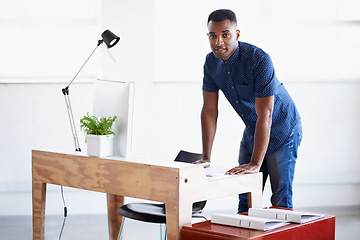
[282, 214]
[215, 171]
[264, 219]
[245, 221]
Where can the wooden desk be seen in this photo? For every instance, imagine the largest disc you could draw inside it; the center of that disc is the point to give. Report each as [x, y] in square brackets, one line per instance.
[176, 184]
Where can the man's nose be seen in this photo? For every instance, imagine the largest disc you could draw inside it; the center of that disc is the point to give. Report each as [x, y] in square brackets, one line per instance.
[219, 41]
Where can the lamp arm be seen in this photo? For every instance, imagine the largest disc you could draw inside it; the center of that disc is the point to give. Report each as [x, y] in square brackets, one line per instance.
[85, 63]
[65, 91]
[72, 122]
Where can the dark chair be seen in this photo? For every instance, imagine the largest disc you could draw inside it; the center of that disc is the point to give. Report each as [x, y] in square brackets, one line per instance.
[155, 212]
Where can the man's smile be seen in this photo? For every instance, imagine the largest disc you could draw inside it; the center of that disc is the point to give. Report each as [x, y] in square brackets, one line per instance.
[220, 49]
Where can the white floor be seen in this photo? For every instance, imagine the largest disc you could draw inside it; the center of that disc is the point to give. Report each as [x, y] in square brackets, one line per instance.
[94, 227]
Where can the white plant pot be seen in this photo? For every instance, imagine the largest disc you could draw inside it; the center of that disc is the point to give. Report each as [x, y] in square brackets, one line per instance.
[100, 145]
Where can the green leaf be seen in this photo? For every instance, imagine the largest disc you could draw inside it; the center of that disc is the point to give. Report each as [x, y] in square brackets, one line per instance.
[93, 125]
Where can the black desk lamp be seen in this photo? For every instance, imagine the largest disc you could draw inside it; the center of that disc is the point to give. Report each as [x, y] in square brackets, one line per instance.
[110, 40]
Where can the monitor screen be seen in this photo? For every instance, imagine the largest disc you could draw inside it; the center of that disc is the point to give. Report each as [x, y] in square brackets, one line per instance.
[116, 98]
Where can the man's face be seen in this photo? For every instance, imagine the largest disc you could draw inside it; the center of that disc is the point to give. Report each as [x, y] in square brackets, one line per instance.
[223, 38]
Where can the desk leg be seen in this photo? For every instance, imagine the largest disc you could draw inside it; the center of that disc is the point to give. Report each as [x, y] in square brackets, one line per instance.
[254, 199]
[176, 217]
[114, 219]
[38, 201]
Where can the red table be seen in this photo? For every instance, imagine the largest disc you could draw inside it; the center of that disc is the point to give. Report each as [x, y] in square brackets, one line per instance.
[319, 229]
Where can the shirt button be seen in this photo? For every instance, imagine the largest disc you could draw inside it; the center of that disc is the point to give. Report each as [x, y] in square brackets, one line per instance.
[242, 115]
[237, 101]
[228, 72]
[248, 126]
[232, 87]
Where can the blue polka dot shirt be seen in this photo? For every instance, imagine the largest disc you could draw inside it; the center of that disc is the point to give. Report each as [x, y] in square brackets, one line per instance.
[246, 75]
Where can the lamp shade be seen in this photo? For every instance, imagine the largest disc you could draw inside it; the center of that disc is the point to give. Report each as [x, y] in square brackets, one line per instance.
[110, 38]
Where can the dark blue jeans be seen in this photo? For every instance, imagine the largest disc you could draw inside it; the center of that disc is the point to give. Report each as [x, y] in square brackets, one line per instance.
[279, 166]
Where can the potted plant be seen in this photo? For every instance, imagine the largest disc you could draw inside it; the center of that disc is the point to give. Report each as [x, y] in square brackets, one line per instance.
[99, 136]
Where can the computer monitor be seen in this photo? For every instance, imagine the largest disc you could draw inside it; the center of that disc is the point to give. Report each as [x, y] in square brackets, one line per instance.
[116, 98]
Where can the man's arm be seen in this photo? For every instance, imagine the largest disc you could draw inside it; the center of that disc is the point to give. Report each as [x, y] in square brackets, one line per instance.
[209, 114]
[264, 108]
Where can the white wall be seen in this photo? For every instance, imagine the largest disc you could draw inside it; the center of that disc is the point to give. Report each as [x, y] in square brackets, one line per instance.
[328, 165]
[166, 119]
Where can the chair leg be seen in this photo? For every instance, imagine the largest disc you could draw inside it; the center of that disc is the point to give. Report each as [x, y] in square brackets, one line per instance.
[161, 232]
[121, 229]
[163, 236]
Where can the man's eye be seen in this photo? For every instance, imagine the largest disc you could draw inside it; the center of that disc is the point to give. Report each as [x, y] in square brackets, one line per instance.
[226, 35]
[212, 36]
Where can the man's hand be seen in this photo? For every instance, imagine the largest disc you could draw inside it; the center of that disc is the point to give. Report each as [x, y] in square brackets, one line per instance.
[245, 168]
[205, 163]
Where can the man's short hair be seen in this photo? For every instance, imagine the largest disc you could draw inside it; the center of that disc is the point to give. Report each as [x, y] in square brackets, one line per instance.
[222, 15]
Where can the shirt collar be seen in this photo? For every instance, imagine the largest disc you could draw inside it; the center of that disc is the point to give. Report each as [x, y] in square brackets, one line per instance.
[233, 57]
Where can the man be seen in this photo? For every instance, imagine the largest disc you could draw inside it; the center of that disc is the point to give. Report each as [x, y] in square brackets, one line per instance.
[246, 76]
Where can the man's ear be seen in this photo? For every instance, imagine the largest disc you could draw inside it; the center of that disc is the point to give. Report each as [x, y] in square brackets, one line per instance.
[237, 34]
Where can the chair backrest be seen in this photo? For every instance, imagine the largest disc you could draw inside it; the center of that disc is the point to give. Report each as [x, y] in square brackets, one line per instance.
[189, 157]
